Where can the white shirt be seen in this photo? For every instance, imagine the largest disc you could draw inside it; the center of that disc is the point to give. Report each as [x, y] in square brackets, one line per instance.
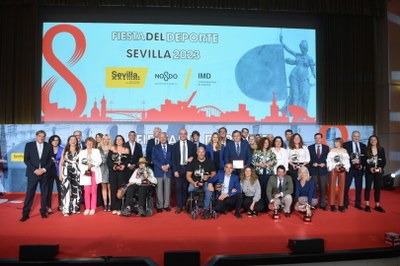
[345, 159]
[132, 145]
[355, 145]
[303, 155]
[281, 158]
[225, 186]
[40, 149]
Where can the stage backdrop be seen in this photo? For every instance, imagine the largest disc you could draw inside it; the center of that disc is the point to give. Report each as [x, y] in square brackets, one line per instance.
[177, 73]
[14, 137]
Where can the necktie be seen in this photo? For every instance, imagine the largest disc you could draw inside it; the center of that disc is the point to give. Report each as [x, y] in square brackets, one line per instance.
[280, 185]
[184, 152]
[318, 152]
[357, 148]
[164, 149]
[40, 152]
[156, 141]
[237, 149]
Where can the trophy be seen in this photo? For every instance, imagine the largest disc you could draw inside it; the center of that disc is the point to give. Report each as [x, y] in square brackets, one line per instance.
[117, 159]
[373, 161]
[199, 174]
[295, 161]
[88, 162]
[339, 162]
[355, 160]
[307, 217]
[275, 216]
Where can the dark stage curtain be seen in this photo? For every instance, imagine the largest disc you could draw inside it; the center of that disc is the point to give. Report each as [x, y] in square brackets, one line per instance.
[347, 78]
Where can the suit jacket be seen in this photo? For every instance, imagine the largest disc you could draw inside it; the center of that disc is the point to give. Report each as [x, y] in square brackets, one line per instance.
[176, 156]
[210, 155]
[230, 152]
[349, 147]
[272, 186]
[159, 160]
[234, 182]
[149, 149]
[137, 153]
[196, 146]
[32, 161]
[319, 171]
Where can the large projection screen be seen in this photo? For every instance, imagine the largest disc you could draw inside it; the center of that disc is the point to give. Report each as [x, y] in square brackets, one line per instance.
[165, 73]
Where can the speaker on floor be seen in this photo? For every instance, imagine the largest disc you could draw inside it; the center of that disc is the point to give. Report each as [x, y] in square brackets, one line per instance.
[187, 258]
[307, 246]
[38, 252]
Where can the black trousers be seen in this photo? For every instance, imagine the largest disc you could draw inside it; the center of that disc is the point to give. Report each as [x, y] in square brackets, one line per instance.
[137, 189]
[247, 201]
[357, 175]
[377, 180]
[30, 193]
[229, 203]
[51, 180]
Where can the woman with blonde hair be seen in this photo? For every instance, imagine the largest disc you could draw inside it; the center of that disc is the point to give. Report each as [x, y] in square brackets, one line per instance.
[215, 151]
[251, 189]
[104, 148]
[305, 194]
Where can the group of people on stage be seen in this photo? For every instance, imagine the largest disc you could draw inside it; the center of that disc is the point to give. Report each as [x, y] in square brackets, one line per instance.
[248, 172]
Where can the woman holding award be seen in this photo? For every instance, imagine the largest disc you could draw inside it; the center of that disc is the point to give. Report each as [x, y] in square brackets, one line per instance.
[117, 160]
[69, 178]
[280, 153]
[89, 164]
[338, 161]
[298, 155]
[264, 161]
[376, 161]
[142, 181]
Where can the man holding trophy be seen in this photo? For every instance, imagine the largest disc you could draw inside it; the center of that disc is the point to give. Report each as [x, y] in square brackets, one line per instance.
[279, 192]
[375, 162]
[356, 150]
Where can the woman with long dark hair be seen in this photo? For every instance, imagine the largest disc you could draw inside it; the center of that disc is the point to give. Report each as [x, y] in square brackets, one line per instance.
[252, 202]
[69, 178]
[55, 143]
[298, 155]
[375, 162]
[117, 161]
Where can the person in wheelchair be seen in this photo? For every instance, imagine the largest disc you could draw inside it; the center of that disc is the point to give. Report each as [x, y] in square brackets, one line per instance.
[197, 174]
[231, 191]
[141, 182]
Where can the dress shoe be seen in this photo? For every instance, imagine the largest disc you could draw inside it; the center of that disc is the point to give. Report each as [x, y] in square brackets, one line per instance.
[238, 215]
[358, 207]
[178, 210]
[225, 212]
[342, 209]
[159, 210]
[287, 214]
[379, 209]
[367, 209]
[323, 208]
[24, 218]
[44, 215]
[168, 209]
[333, 208]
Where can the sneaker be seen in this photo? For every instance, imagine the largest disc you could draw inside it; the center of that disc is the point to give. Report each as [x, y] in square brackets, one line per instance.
[379, 209]
[114, 212]
[92, 212]
[118, 212]
[86, 212]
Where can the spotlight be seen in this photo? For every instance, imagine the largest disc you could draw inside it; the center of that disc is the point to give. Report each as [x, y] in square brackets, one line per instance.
[388, 181]
[393, 175]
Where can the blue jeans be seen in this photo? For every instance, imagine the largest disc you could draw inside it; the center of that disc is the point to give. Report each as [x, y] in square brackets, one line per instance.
[208, 194]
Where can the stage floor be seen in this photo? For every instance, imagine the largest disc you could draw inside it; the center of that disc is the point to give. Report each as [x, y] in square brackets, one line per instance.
[104, 234]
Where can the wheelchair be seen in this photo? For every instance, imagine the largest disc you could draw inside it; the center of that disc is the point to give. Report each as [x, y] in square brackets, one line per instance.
[195, 204]
[134, 207]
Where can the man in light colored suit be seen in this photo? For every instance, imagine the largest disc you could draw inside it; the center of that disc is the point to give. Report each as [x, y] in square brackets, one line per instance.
[280, 189]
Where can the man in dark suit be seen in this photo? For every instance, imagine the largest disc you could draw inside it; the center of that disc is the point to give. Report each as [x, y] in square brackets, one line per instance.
[280, 189]
[238, 150]
[183, 153]
[318, 168]
[150, 145]
[231, 194]
[78, 135]
[38, 161]
[245, 134]
[288, 135]
[196, 139]
[222, 136]
[135, 150]
[356, 150]
[161, 157]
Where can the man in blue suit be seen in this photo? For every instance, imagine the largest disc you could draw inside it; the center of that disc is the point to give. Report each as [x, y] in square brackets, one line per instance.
[38, 159]
[318, 168]
[196, 140]
[161, 158]
[183, 153]
[237, 149]
[356, 150]
[231, 194]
